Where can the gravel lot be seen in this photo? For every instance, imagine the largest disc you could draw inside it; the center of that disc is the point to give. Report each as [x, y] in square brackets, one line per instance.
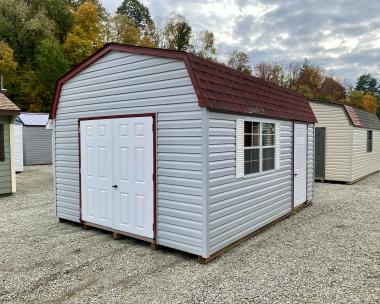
[326, 253]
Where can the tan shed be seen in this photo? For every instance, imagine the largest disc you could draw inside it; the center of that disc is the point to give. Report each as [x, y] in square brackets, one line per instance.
[347, 142]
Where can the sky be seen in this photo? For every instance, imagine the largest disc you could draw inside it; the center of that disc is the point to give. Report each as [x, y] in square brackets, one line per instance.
[341, 36]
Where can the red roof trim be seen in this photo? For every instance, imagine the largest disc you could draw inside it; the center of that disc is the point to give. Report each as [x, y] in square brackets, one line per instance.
[354, 118]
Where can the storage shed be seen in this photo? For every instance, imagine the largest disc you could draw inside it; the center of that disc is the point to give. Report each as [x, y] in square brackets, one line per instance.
[347, 142]
[8, 113]
[36, 138]
[177, 150]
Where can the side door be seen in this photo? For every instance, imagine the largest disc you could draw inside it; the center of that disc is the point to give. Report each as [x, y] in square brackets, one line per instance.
[300, 145]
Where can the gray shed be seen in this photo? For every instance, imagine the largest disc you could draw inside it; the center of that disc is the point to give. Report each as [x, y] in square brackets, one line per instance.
[176, 150]
[36, 138]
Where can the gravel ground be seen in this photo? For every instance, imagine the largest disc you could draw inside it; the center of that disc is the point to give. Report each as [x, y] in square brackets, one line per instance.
[326, 253]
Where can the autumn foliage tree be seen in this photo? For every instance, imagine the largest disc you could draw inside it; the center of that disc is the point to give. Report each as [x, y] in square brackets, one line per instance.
[86, 34]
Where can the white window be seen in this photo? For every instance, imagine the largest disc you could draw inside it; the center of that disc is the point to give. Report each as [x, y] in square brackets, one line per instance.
[256, 147]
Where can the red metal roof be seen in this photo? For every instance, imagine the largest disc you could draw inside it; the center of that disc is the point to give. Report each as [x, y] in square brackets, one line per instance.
[218, 87]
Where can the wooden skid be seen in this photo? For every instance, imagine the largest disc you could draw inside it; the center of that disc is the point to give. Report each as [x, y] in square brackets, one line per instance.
[202, 260]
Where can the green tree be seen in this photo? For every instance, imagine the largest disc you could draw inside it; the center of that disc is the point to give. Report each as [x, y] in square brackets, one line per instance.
[23, 28]
[59, 12]
[87, 34]
[177, 33]
[369, 84]
[50, 65]
[356, 99]
[240, 61]
[137, 12]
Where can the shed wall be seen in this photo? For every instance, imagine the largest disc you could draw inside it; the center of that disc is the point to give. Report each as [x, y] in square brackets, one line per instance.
[363, 162]
[37, 145]
[5, 165]
[18, 147]
[238, 207]
[123, 83]
[310, 162]
[338, 152]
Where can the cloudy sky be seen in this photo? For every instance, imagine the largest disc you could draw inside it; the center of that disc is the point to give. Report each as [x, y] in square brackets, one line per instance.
[342, 36]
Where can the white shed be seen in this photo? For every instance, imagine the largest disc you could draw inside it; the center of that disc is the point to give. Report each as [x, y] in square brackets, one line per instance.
[347, 142]
[36, 138]
[177, 150]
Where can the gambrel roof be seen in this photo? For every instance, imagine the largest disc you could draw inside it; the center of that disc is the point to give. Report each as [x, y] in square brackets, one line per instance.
[217, 86]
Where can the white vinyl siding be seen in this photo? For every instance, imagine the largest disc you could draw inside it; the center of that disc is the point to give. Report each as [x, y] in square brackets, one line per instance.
[338, 139]
[18, 147]
[310, 162]
[363, 162]
[123, 83]
[239, 206]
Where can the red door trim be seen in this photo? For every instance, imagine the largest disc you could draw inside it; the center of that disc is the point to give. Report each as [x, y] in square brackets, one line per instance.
[153, 115]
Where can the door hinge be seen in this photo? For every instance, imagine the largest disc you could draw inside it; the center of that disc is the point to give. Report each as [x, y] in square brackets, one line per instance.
[154, 177]
[154, 227]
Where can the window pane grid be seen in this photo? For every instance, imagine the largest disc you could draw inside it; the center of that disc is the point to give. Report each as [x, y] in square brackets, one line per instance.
[259, 147]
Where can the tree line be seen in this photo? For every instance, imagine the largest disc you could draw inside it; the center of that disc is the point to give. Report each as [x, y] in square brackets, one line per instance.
[40, 40]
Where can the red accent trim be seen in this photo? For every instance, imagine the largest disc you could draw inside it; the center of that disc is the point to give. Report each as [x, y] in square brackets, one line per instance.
[153, 115]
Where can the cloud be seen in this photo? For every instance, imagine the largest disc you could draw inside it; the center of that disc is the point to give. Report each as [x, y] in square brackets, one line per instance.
[343, 36]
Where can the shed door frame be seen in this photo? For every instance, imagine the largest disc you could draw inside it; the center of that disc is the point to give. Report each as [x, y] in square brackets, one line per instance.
[295, 205]
[153, 115]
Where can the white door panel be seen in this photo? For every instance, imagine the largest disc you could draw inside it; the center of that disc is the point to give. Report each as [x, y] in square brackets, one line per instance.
[96, 171]
[133, 143]
[131, 168]
[300, 160]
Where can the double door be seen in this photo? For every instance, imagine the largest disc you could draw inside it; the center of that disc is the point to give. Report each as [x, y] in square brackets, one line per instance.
[117, 174]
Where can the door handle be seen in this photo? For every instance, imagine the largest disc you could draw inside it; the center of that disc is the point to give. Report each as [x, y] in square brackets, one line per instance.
[114, 186]
[295, 174]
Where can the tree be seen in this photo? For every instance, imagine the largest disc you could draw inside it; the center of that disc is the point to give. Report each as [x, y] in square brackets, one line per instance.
[369, 103]
[240, 61]
[369, 84]
[310, 76]
[87, 34]
[177, 33]
[23, 28]
[331, 90]
[123, 30]
[7, 62]
[59, 12]
[270, 72]
[137, 12]
[50, 65]
[203, 45]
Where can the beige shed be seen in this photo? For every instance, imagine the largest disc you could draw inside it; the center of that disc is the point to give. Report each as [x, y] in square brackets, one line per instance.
[347, 142]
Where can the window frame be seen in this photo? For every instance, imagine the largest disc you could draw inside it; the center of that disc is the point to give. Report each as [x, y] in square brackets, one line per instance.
[369, 141]
[260, 147]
